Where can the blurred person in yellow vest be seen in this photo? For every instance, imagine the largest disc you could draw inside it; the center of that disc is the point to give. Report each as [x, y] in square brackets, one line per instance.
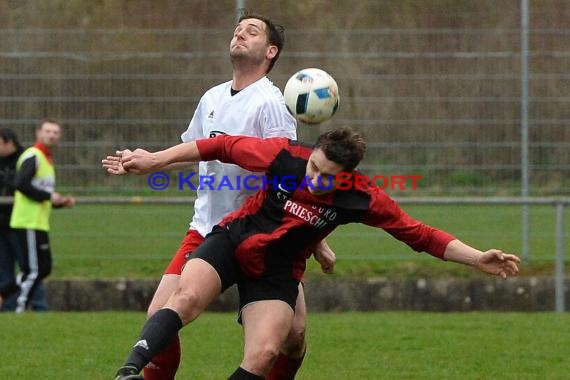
[33, 200]
[10, 255]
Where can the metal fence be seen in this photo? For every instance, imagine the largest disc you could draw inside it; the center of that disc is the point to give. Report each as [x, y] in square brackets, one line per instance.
[447, 103]
[442, 103]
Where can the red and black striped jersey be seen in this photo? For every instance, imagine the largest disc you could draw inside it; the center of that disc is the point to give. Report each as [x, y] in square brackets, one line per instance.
[284, 218]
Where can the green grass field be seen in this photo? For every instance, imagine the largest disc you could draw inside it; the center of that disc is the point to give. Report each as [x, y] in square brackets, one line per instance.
[137, 241]
[341, 346]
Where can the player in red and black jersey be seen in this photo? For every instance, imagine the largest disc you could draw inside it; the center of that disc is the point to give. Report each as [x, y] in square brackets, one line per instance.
[262, 247]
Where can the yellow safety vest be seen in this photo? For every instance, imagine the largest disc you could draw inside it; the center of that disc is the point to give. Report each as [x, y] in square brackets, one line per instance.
[28, 213]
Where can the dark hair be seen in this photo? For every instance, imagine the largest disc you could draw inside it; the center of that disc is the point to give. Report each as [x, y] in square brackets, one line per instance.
[342, 146]
[9, 135]
[47, 120]
[275, 33]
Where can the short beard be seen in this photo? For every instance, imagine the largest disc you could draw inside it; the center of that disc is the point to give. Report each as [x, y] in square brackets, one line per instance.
[244, 60]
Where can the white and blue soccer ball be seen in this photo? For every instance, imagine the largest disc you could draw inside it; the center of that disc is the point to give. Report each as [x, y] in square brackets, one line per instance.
[311, 95]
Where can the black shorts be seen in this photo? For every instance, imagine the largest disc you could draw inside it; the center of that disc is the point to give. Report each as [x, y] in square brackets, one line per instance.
[219, 251]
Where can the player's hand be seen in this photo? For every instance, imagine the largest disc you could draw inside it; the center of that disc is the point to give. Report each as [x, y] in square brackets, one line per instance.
[325, 256]
[139, 161]
[68, 201]
[56, 199]
[499, 263]
[113, 164]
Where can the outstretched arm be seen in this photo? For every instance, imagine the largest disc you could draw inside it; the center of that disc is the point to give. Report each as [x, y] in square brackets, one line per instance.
[251, 153]
[113, 164]
[141, 161]
[493, 261]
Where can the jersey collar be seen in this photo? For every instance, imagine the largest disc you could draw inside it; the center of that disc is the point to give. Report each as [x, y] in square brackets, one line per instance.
[45, 150]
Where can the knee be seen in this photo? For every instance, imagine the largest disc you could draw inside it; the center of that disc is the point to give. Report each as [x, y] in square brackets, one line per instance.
[152, 309]
[187, 303]
[154, 306]
[188, 296]
[263, 357]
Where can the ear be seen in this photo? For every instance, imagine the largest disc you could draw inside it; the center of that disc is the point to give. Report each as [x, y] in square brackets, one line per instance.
[271, 52]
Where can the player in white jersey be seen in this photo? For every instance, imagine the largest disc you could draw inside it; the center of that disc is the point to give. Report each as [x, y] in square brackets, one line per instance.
[248, 105]
[257, 110]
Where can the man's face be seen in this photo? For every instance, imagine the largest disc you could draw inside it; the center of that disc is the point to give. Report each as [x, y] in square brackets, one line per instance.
[250, 43]
[48, 134]
[322, 172]
[6, 147]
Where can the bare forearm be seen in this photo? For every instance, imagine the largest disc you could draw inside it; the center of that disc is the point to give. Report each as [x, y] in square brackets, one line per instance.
[180, 166]
[141, 162]
[492, 261]
[178, 156]
[459, 252]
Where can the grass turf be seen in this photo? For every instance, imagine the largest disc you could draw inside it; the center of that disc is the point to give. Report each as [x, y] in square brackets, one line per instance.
[341, 346]
[104, 241]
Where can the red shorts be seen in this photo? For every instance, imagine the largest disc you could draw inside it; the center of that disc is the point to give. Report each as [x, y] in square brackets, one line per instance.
[191, 241]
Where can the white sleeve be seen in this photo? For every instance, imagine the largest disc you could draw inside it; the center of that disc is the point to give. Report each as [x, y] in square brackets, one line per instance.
[195, 130]
[277, 121]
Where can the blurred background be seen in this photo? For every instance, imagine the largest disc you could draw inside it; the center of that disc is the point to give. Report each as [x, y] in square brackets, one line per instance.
[445, 89]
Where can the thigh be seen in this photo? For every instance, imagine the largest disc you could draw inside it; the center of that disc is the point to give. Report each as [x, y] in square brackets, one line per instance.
[171, 277]
[168, 284]
[266, 321]
[210, 270]
[198, 286]
[300, 319]
[294, 345]
[192, 240]
[219, 251]
[266, 325]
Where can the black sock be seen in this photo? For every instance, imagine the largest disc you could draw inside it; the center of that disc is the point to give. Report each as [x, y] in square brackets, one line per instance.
[242, 374]
[155, 336]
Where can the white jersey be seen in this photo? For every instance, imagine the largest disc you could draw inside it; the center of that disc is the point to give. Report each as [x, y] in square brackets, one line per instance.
[258, 110]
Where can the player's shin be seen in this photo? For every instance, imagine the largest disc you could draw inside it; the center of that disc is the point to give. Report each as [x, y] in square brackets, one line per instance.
[155, 336]
[285, 367]
[164, 365]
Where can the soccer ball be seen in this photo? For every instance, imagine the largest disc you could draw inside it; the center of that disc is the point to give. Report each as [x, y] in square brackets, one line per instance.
[311, 95]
